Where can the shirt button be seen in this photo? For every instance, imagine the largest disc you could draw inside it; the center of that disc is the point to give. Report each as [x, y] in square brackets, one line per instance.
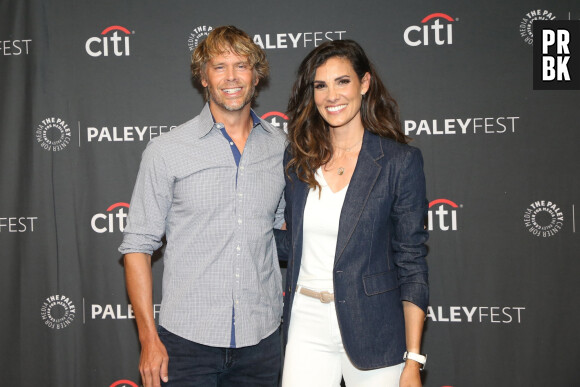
[231, 143]
[242, 168]
[238, 248]
[219, 126]
[239, 221]
[237, 275]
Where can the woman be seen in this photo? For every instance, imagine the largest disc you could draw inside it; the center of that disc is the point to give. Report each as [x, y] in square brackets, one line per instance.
[357, 290]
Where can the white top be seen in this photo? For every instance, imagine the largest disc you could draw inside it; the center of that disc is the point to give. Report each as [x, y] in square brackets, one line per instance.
[321, 218]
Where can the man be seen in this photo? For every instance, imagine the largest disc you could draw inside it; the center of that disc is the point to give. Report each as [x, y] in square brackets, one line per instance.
[213, 186]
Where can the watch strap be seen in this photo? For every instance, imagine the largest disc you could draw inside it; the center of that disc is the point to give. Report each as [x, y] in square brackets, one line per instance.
[421, 359]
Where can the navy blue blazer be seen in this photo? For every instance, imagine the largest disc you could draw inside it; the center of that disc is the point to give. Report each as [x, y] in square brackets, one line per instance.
[380, 251]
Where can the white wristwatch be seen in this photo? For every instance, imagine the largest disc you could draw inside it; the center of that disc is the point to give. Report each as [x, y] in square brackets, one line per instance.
[421, 359]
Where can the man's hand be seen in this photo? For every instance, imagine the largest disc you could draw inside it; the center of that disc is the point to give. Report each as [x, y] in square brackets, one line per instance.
[153, 363]
[410, 377]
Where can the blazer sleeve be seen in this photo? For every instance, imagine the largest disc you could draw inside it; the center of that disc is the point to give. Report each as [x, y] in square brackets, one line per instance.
[284, 237]
[408, 215]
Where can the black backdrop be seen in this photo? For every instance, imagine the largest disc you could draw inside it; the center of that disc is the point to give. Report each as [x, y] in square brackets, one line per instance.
[86, 84]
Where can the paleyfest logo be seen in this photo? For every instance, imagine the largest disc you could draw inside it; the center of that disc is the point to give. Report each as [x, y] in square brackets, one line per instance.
[58, 311]
[543, 218]
[53, 134]
[15, 47]
[285, 40]
[526, 31]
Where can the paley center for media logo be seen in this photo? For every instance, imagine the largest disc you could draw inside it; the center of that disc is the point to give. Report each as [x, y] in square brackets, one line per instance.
[277, 120]
[113, 40]
[58, 311]
[526, 30]
[198, 34]
[53, 134]
[556, 56]
[461, 126]
[436, 28]
[543, 218]
[442, 215]
[112, 220]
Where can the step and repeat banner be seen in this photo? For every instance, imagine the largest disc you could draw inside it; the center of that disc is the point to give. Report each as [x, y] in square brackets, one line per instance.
[85, 85]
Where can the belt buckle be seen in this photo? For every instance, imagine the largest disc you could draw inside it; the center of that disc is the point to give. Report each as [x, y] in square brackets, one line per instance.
[325, 297]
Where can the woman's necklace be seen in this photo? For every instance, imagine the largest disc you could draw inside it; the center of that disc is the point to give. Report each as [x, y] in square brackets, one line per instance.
[340, 169]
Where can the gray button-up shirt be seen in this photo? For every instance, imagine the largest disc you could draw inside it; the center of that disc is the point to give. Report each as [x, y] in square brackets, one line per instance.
[220, 249]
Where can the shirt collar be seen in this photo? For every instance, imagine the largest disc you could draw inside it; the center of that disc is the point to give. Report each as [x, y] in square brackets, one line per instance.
[207, 121]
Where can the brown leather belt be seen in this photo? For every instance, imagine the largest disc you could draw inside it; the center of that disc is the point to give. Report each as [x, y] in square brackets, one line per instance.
[324, 296]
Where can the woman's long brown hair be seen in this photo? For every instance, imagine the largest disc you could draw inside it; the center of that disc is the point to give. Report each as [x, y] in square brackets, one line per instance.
[309, 137]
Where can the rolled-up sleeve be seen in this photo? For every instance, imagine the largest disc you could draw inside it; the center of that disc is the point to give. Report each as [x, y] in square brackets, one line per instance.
[408, 216]
[150, 203]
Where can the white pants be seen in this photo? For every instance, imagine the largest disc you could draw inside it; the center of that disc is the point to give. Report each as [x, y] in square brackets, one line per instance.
[315, 355]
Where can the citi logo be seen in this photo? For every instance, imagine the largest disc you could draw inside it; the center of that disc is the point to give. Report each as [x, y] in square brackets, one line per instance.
[115, 44]
[439, 33]
[277, 120]
[445, 213]
[113, 220]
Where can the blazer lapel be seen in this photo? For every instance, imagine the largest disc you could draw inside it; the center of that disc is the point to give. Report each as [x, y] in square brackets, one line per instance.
[362, 182]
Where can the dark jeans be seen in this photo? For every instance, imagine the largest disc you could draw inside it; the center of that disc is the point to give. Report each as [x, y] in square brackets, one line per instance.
[192, 364]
